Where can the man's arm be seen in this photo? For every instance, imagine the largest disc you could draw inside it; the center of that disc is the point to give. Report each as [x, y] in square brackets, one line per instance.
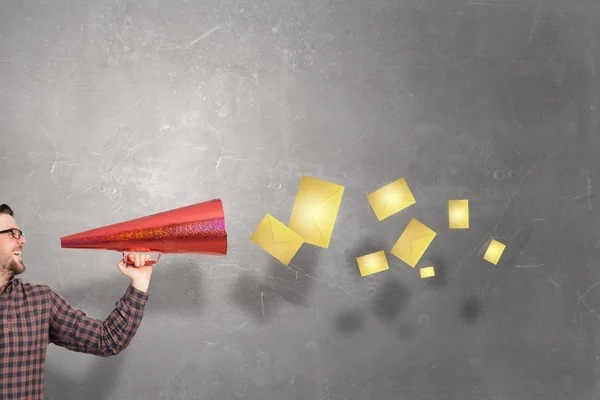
[72, 329]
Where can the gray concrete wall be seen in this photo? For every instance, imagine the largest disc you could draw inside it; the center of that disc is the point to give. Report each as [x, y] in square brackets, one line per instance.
[113, 110]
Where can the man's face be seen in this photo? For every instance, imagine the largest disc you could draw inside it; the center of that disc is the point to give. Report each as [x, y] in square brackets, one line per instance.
[10, 263]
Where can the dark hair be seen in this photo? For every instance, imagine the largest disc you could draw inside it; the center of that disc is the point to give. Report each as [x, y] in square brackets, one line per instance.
[5, 209]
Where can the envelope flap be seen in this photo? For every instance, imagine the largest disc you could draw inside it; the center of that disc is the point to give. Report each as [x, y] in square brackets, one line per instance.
[417, 230]
[281, 233]
[420, 236]
[315, 210]
[398, 192]
[419, 243]
[329, 199]
[326, 211]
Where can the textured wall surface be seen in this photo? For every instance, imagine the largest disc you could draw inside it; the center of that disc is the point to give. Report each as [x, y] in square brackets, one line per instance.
[113, 110]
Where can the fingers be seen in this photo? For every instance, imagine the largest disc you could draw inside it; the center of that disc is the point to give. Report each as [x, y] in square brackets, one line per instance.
[139, 259]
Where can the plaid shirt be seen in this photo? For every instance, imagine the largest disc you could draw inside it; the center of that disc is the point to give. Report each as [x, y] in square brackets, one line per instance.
[31, 316]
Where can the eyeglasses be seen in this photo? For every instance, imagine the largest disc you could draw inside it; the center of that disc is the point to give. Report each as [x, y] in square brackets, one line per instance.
[16, 233]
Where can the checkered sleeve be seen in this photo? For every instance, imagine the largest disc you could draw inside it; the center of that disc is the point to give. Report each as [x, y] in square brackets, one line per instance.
[73, 329]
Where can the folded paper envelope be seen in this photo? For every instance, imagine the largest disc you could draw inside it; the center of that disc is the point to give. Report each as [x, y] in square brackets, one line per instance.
[458, 214]
[315, 210]
[427, 272]
[413, 242]
[372, 263]
[391, 198]
[494, 252]
[277, 239]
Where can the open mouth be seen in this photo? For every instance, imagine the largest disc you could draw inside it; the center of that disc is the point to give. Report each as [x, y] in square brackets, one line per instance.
[17, 253]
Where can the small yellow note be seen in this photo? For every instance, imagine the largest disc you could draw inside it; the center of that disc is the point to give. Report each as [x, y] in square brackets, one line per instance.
[277, 239]
[427, 272]
[372, 263]
[413, 242]
[458, 214]
[494, 252]
[391, 198]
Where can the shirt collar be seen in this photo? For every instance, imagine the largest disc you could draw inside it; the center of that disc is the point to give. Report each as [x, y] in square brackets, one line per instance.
[8, 288]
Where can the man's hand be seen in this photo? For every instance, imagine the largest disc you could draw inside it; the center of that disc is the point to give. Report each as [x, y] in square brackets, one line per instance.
[139, 274]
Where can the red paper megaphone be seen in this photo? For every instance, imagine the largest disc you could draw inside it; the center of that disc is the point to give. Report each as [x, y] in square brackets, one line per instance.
[199, 228]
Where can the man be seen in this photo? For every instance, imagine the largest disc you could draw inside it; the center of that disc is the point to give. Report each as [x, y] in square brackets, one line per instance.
[31, 316]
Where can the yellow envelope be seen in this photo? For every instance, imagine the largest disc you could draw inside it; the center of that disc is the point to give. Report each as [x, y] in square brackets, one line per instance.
[413, 242]
[458, 214]
[494, 252]
[372, 263]
[427, 272]
[277, 239]
[315, 210]
[391, 199]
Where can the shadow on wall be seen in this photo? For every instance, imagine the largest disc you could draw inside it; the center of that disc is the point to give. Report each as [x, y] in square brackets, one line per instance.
[441, 272]
[180, 291]
[366, 246]
[98, 384]
[260, 298]
[471, 310]
[387, 303]
[515, 246]
[391, 300]
[349, 321]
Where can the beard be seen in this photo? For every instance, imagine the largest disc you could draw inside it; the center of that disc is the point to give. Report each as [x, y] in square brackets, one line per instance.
[10, 266]
[16, 266]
